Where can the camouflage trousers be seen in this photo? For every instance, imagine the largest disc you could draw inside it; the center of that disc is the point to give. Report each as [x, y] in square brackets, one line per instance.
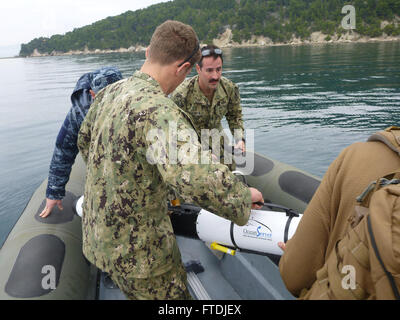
[171, 285]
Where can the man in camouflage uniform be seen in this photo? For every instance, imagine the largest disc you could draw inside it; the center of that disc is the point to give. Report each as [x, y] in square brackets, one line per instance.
[208, 97]
[126, 229]
[66, 147]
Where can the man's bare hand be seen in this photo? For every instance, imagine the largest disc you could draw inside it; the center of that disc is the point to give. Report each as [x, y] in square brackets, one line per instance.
[241, 145]
[256, 196]
[50, 204]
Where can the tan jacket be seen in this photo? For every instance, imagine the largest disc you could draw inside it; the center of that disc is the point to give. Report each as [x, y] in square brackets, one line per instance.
[326, 219]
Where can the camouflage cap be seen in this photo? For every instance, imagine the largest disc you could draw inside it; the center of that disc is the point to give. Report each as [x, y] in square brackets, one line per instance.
[103, 77]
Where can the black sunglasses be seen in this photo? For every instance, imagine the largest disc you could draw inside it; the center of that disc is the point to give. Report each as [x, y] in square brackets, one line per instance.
[191, 55]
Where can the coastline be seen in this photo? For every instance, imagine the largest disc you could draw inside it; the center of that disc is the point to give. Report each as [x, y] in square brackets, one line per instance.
[225, 41]
[14, 57]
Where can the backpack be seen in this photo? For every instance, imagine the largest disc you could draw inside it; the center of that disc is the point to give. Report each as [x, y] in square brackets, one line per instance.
[382, 198]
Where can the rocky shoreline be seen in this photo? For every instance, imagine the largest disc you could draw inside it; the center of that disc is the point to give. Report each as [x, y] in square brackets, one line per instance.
[138, 48]
[225, 41]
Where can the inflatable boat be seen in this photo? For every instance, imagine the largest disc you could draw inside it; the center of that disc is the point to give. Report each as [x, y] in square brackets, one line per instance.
[42, 258]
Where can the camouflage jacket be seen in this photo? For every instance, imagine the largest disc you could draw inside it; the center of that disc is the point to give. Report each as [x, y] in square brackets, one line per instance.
[66, 148]
[206, 115]
[126, 227]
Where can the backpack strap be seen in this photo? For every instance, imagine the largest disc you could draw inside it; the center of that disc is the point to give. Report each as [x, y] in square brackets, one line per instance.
[378, 256]
[388, 138]
[391, 178]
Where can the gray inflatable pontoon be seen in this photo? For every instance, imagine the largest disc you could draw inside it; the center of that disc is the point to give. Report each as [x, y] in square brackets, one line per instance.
[42, 258]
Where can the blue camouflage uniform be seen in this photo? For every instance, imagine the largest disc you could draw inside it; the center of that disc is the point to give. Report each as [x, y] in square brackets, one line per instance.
[66, 148]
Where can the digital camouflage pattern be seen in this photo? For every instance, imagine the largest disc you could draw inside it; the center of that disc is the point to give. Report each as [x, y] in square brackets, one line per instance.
[66, 148]
[170, 285]
[126, 228]
[206, 115]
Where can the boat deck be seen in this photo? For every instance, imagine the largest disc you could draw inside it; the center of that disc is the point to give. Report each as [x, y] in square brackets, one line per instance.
[225, 277]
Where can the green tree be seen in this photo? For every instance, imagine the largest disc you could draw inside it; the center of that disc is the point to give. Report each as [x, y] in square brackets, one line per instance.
[277, 19]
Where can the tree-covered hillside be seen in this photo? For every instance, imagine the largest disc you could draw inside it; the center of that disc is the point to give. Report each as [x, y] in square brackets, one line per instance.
[276, 19]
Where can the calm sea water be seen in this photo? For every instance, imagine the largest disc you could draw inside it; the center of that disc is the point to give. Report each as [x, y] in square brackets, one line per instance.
[305, 103]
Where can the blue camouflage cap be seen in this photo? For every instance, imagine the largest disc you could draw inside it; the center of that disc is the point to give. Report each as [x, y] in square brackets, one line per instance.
[103, 77]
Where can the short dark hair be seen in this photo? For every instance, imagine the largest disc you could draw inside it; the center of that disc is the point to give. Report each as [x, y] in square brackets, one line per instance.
[172, 41]
[213, 54]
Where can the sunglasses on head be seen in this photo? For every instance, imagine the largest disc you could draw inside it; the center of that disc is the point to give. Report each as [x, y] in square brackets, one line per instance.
[209, 52]
[191, 55]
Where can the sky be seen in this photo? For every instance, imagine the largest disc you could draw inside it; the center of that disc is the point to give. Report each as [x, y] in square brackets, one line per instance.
[24, 20]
